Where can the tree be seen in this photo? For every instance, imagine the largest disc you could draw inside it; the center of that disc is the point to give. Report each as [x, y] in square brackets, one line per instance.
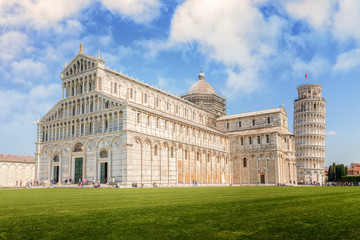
[342, 171]
[330, 174]
[346, 171]
[336, 172]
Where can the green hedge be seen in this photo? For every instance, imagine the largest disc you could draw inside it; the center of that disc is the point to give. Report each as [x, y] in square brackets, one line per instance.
[350, 178]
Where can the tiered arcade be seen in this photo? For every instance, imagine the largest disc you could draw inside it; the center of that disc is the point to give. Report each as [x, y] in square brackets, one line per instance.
[309, 129]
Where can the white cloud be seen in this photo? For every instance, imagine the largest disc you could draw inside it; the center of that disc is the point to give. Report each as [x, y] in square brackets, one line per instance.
[314, 68]
[40, 14]
[317, 13]
[340, 17]
[332, 132]
[348, 60]
[244, 82]
[26, 71]
[28, 67]
[140, 11]
[18, 111]
[347, 20]
[233, 32]
[13, 44]
[38, 99]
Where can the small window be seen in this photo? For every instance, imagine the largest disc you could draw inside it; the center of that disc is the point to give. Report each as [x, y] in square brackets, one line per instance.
[186, 154]
[103, 154]
[268, 120]
[239, 124]
[157, 102]
[250, 141]
[172, 152]
[148, 120]
[131, 93]
[253, 122]
[244, 162]
[177, 109]
[56, 158]
[155, 150]
[258, 139]
[285, 139]
[115, 87]
[167, 106]
[138, 118]
[197, 156]
[267, 139]
[242, 141]
[185, 112]
[107, 104]
[227, 125]
[145, 98]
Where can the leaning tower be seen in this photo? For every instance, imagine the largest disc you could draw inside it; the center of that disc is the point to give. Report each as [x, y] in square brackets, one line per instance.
[309, 129]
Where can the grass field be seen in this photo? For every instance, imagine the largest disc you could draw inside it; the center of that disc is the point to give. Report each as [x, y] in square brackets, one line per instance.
[181, 213]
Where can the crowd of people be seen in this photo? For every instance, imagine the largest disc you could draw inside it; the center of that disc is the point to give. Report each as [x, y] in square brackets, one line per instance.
[96, 184]
[27, 183]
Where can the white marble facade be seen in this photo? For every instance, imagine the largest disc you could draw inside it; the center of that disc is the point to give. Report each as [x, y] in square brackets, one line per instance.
[141, 133]
[16, 170]
[112, 127]
[309, 129]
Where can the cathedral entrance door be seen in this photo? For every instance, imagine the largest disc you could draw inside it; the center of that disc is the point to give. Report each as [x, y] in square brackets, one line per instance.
[262, 178]
[103, 172]
[78, 169]
[56, 174]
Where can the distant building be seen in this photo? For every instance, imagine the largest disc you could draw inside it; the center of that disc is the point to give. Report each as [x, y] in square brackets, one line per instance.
[15, 168]
[354, 169]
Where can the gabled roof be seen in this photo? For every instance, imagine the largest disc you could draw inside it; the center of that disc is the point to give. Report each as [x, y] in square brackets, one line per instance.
[118, 100]
[16, 158]
[80, 55]
[250, 114]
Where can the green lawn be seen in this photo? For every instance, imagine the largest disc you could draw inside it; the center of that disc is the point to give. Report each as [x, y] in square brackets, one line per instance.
[181, 213]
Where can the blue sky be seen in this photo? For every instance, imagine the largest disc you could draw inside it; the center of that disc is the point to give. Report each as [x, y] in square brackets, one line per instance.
[253, 52]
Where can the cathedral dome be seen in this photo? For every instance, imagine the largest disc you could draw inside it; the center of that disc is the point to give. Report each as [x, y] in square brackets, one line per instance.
[201, 86]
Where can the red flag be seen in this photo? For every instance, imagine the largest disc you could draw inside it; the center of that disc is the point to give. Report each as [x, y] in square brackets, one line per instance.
[306, 75]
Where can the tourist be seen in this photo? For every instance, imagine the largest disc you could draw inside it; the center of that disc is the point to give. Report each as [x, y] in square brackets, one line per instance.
[17, 183]
[79, 183]
[66, 181]
[20, 183]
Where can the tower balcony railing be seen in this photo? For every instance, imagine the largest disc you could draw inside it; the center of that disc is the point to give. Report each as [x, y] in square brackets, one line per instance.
[309, 98]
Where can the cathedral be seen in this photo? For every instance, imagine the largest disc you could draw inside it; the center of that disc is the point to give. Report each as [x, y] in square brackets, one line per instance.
[113, 128]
